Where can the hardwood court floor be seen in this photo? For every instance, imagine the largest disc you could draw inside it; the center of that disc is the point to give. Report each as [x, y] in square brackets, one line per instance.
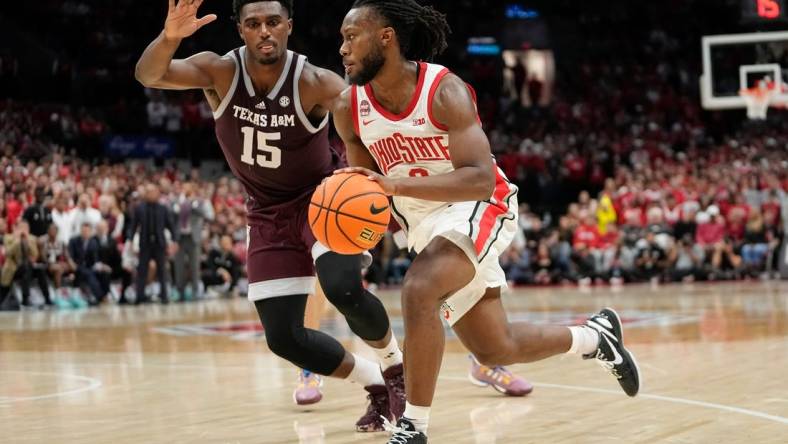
[714, 360]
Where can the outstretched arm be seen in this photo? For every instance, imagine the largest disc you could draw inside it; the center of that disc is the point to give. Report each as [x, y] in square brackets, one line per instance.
[157, 69]
[473, 177]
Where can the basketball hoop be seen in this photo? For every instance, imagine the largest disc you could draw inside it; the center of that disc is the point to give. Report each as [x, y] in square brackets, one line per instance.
[758, 99]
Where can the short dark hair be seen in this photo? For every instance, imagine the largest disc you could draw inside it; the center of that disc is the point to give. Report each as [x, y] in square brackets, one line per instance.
[239, 4]
[421, 30]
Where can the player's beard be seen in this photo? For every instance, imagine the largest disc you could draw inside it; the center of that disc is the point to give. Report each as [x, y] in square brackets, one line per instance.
[270, 60]
[371, 65]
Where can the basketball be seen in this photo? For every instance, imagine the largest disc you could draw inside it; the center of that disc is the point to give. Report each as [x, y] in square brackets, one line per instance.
[349, 213]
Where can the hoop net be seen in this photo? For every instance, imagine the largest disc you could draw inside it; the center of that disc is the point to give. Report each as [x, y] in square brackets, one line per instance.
[758, 99]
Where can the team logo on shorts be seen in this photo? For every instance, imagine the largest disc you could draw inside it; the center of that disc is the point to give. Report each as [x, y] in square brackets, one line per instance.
[364, 108]
[284, 101]
[447, 310]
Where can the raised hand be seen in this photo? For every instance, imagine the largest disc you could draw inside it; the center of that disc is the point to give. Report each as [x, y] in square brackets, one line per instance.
[182, 19]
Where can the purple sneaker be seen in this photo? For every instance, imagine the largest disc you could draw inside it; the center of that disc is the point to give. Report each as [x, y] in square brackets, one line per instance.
[308, 389]
[395, 384]
[378, 409]
[499, 378]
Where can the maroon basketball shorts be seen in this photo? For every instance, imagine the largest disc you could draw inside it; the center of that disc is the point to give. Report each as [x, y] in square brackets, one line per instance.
[282, 251]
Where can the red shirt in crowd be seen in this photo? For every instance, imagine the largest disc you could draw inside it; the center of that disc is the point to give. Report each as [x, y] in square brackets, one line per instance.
[710, 233]
[608, 240]
[576, 166]
[586, 234]
[771, 213]
[13, 210]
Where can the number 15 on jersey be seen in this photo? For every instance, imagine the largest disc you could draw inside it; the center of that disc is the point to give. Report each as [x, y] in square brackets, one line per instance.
[268, 156]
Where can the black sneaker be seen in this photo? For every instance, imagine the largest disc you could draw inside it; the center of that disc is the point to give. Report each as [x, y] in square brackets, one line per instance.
[405, 433]
[610, 352]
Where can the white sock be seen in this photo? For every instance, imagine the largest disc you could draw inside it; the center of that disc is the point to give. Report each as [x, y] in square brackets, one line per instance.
[390, 354]
[365, 372]
[419, 416]
[585, 340]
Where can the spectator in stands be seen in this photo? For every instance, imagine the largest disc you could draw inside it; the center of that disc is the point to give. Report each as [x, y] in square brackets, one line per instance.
[55, 258]
[21, 252]
[109, 211]
[38, 216]
[14, 207]
[544, 272]
[63, 219]
[222, 267]
[516, 263]
[755, 244]
[191, 211]
[710, 232]
[686, 225]
[83, 253]
[109, 266]
[84, 213]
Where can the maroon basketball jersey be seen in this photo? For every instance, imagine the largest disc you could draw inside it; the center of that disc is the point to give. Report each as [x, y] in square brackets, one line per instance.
[268, 141]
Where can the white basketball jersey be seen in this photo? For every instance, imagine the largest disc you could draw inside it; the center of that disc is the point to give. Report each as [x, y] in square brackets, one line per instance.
[411, 143]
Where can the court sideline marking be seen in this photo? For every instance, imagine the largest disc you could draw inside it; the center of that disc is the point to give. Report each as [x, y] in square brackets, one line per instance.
[709, 405]
[95, 384]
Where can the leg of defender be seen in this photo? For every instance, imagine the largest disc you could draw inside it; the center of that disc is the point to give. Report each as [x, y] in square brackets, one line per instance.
[308, 389]
[340, 279]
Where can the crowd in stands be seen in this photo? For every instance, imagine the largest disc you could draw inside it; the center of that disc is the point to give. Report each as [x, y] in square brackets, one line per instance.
[70, 227]
[694, 215]
[623, 177]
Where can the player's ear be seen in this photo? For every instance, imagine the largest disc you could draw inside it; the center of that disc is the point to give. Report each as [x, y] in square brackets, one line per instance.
[240, 31]
[289, 26]
[387, 36]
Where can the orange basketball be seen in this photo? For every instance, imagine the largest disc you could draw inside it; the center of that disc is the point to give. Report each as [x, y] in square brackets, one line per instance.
[349, 213]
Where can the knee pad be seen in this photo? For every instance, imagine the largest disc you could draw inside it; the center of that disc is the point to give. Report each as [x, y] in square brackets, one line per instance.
[283, 342]
[340, 278]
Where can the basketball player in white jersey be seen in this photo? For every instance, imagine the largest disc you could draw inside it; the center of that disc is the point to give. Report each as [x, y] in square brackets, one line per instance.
[413, 128]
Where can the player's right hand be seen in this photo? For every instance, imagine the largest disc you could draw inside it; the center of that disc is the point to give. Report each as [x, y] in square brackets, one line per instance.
[182, 19]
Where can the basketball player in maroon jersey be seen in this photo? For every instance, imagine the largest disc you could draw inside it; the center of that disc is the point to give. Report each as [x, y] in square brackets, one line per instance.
[413, 128]
[271, 110]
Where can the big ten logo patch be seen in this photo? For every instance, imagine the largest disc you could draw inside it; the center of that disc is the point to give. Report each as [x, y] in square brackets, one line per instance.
[364, 108]
[419, 122]
[369, 236]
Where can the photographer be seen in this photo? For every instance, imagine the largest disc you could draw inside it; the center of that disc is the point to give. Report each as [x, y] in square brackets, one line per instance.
[686, 260]
[223, 268]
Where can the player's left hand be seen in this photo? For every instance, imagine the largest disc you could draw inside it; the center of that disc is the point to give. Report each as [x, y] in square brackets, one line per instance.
[389, 185]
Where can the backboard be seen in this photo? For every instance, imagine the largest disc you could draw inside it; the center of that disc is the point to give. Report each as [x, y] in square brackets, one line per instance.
[736, 62]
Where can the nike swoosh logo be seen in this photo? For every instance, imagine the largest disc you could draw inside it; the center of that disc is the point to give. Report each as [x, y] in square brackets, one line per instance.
[367, 122]
[375, 210]
[618, 359]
